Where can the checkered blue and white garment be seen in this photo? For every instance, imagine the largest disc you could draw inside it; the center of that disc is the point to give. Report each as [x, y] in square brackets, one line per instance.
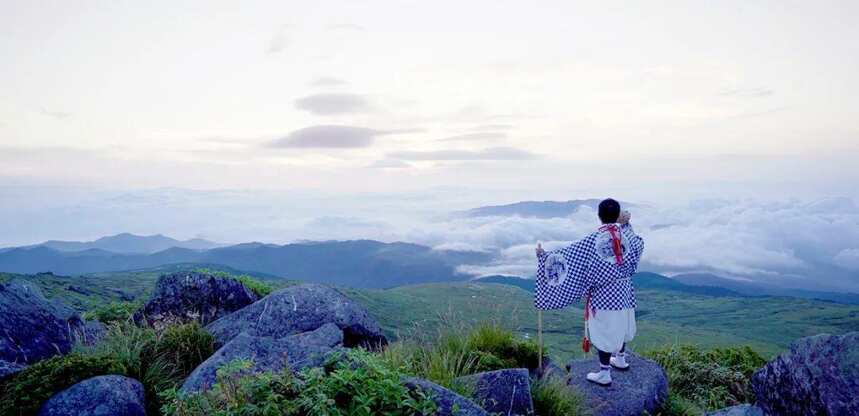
[589, 267]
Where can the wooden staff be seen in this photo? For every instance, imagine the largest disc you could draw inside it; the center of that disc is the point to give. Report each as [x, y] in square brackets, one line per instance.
[540, 339]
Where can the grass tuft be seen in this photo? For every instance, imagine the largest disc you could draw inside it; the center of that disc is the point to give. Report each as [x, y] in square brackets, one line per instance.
[706, 380]
[260, 288]
[553, 397]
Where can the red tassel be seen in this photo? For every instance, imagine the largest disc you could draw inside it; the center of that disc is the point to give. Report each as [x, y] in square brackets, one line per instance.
[586, 343]
[616, 245]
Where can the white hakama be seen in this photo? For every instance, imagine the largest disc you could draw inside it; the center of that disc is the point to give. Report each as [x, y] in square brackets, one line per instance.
[609, 329]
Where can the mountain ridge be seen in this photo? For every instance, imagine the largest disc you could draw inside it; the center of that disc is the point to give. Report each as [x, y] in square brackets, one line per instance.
[125, 243]
[535, 209]
[354, 263]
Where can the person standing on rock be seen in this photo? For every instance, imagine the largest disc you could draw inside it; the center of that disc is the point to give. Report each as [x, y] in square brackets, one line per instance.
[598, 269]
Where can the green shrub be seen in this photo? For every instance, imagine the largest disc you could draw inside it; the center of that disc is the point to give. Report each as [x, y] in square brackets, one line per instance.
[132, 348]
[237, 393]
[113, 312]
[708, 380]
[160, 360]
[25, 392]
[553, 397]
[184, 347]
[441, 362]
[361, 384]
[676, 405]
[458, 352]
[499, 348]
[259, 288]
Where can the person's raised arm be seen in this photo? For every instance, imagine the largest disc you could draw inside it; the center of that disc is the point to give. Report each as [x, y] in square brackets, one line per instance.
[635, 242]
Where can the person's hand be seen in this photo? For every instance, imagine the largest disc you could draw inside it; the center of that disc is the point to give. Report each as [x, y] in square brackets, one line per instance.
[540, 250]
[624, 217]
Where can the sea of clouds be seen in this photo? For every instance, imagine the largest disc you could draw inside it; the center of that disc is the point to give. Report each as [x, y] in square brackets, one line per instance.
[793, 242]
[800, 243]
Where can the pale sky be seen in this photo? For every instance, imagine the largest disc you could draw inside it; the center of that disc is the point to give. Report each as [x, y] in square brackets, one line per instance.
[751, 97]
[733, 124]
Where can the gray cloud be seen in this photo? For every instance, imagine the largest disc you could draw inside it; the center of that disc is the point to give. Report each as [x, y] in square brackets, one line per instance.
[330, 104]
[757, 92]
[327, 82]
[328, 136]
[474, 136]
[494, 153]
[848, 258]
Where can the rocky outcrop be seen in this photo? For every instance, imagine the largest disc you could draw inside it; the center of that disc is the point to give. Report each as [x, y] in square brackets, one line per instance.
[506, 392]
[296, 352]
[299, 309]
[98, 396]
[818, 376]
[739, 410]
[190, 296]
[642, 388]
[32, 327]
[448, 402]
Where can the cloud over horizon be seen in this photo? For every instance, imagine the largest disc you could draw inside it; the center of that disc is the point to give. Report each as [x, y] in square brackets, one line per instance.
[328, 136]
[327, 104]
[812, 244]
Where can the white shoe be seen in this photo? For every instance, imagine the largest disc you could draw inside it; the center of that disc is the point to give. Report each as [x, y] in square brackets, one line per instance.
[619, 362]
[602, 377]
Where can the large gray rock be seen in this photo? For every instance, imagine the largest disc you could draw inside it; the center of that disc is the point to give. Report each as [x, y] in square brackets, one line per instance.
[299, 309]
[190, 296]
[642, 388]
[296, 352]
[448, 402]
[8, 369]
[739, 410]
[98, 396]
[32, 327]
[507, 391]
[818, 376]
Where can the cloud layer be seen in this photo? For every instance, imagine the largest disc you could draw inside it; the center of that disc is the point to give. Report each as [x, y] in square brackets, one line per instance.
[328, 136]
[333, 104]
[808, 244]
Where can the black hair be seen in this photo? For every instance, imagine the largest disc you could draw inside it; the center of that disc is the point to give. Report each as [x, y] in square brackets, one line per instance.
[609, 211]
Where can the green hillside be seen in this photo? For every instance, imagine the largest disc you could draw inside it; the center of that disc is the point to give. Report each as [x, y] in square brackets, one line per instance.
[768, 324]
[665, 315]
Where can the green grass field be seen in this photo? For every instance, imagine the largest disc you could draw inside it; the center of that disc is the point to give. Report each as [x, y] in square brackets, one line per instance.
[767, 324]
[665, 317]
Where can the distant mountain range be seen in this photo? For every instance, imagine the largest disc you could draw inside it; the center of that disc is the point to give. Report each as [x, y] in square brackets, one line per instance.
[758, 289]
[126, 243]
[534, 209]
[360, 263]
